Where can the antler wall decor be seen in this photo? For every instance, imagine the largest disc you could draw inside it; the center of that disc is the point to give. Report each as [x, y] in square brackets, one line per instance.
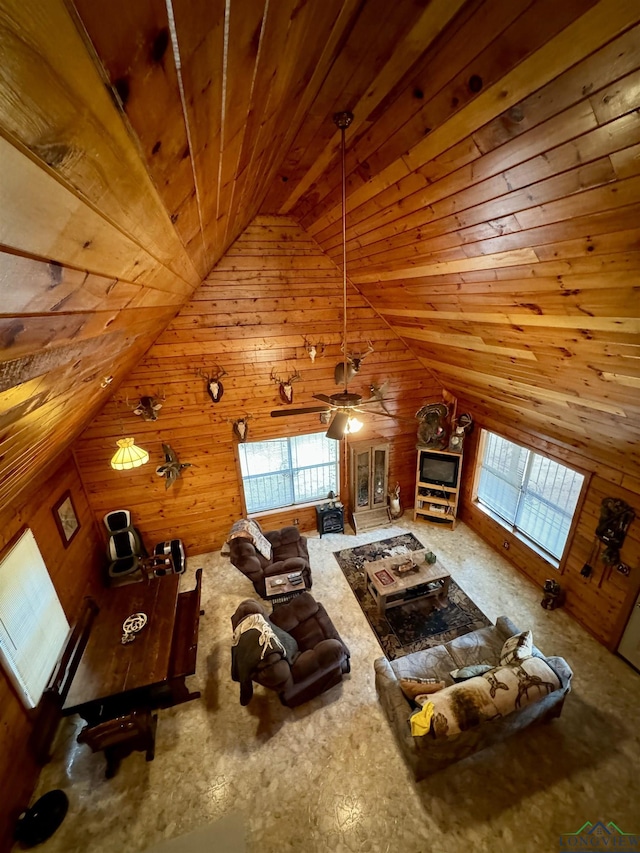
[215, 388]
[313, 349]
[241, 427]
[286, 387]
[354, 363]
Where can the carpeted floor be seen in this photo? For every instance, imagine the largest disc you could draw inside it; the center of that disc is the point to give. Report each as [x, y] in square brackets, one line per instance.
[414, 626]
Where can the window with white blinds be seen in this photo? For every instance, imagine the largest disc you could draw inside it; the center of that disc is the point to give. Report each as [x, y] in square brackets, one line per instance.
[534, 495]
[287, 471]
[33, 627]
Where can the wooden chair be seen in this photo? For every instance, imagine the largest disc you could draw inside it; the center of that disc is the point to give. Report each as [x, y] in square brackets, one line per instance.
[121, 735]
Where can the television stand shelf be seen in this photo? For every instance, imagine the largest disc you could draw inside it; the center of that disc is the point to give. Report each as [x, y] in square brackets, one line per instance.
[437, 487]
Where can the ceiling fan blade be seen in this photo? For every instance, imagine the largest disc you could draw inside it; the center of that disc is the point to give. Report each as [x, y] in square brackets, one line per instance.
[337, 426]
[324, 399]
[310, 410]
[385, 415]
[371, 400]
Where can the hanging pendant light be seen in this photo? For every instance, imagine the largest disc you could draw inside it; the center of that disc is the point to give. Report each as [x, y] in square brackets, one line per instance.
[341, 426]
[128, 455]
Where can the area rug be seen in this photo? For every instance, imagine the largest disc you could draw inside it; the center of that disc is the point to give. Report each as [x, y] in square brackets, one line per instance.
[416, 625]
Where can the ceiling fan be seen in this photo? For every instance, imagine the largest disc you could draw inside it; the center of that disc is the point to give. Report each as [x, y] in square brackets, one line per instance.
[344, 404]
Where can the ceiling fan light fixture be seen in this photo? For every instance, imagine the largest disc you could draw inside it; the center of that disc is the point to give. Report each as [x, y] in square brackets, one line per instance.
[128, 455]
[353, 425]
[338, 426]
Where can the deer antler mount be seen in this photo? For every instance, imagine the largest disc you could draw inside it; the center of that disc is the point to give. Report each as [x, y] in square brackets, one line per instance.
[285, 386]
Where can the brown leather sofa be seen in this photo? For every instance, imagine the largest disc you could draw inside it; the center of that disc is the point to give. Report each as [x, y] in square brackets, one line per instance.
[314, 662]
[289, 553]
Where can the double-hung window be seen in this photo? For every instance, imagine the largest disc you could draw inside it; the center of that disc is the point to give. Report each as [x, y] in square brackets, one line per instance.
[287, 471]
[33, 627]
[535, 496]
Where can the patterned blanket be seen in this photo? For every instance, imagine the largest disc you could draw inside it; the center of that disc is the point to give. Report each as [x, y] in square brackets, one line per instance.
[245, 529]
[494, 694]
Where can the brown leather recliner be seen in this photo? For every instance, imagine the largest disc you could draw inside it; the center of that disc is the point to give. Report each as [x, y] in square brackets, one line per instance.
[289, 553]
[296, 674]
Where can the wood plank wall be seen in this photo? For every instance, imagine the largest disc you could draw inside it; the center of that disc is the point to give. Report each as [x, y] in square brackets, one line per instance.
[75, 572]
[273, 288]
[602, 602]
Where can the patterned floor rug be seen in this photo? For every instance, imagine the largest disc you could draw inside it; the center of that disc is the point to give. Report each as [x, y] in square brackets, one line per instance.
[414, 626]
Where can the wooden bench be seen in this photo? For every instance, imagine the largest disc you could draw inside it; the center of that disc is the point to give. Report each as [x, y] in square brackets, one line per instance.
[48, 713]
[184, 647]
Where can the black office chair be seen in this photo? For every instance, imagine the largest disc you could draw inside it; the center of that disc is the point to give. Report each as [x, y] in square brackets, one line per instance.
[125, 547]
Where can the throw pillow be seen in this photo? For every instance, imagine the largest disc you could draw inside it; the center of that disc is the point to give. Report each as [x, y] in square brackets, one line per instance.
[470, 671]
[517, 648]
[412, 687]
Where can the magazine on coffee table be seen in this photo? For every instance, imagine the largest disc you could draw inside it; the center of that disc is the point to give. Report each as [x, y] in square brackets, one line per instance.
[384, 577]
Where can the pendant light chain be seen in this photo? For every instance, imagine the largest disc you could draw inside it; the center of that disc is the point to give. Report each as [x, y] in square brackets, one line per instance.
[343, 120]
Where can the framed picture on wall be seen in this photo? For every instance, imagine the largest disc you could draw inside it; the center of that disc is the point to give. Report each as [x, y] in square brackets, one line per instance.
[64, 513]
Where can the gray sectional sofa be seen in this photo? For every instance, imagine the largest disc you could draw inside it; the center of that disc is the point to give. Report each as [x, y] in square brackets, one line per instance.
[438, 748]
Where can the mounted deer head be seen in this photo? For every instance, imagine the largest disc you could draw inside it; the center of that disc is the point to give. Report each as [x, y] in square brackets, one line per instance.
[286, 388]
[148, 407]
[354, 362]
[215, 388]
[241, 427]
[313, 349]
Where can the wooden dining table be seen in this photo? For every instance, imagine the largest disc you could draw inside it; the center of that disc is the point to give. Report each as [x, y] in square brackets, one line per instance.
[111, 671]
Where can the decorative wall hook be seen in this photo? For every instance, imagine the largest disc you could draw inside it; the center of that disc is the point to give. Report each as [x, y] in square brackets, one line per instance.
[286, 386]
[313, 349]
[215, 388]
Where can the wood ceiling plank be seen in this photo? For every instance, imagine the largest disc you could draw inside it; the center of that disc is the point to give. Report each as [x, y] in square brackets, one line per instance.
[54, 102]
[28, 334]
[489, 202]
[407, 48]
[301, 83]
[245, 26]
[408, 110]
[133, 43]
[423, 268]
[542, 121]
[599, 142]
[628, 325]
[588, 33]
[200, 30]
[51, 222]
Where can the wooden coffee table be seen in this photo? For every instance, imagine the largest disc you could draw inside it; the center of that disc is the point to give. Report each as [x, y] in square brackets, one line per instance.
[428, 581]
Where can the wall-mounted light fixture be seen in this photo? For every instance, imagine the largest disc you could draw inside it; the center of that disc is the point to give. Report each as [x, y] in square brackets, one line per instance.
[128, 455]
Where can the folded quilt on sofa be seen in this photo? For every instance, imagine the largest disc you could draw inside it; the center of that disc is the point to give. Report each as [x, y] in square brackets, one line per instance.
[246, 529]
[490, 696]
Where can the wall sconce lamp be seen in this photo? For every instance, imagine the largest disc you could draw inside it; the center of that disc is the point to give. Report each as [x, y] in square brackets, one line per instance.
[128, 455]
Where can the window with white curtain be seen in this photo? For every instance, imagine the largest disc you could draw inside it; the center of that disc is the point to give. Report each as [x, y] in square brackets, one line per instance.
[288, 471]
[33, 627]
[533, 495]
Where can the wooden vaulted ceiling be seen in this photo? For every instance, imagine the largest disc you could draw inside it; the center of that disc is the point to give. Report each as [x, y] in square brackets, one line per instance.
[493, 192]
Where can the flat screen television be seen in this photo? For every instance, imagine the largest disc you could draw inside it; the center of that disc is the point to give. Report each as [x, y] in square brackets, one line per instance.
[441, 469]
